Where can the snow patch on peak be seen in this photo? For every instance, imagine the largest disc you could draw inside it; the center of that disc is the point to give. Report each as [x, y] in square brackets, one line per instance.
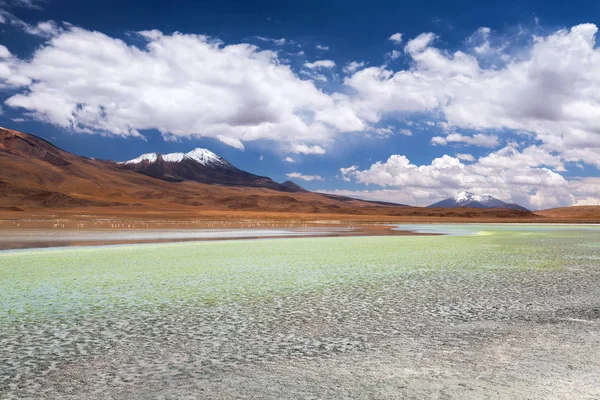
[205, 157]
[202, 156]
[468, 196]
[173, 157]
[150, 157]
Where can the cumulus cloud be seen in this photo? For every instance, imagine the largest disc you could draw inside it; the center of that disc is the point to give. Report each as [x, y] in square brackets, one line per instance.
[320, 64]
[196, 86]
[322, 48]
[289, 159]
[183, 85]
[475, 140]
[549, 89]
[529, 177]
[10, 74]
[586, 191]
[298, 175]
[465, 157]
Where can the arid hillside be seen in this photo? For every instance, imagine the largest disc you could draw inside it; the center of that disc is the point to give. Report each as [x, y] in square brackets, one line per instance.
[575, 212]
[37, 178]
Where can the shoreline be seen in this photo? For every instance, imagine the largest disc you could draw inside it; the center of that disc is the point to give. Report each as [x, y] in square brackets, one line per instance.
[44, 239]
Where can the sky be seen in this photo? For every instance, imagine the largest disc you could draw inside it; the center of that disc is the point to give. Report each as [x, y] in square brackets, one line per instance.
[402, 101]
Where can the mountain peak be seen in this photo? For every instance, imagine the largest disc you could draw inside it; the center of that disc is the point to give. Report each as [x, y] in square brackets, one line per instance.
[204, 156]
[200, 155]
[150, 157]
[468, 196]
[472, 200]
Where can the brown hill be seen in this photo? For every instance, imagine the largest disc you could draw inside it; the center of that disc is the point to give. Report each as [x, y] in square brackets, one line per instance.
[583, 212]
[36, 176]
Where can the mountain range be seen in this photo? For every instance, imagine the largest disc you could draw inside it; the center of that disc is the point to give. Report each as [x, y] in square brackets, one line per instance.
[35, 176]
[471, 200]
[201, 165]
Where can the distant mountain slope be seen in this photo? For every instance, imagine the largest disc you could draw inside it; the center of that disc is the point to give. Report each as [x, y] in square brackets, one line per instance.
[36, 174]
[294, 187]
[200, 165]
[471, 200]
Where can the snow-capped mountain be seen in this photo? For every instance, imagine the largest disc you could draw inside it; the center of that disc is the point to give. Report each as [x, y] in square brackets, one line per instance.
[200, 165]
[468, 199]
[202, 156]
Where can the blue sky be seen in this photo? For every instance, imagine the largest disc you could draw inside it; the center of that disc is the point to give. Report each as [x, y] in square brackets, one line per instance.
[407, 101]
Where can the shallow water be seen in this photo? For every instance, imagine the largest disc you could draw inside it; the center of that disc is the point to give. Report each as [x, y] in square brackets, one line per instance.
[514, 311]
[482, 229]
[40, 238]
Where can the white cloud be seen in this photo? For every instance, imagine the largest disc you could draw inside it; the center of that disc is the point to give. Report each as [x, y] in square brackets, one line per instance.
[314, 76]
[289, 159]
[384, 131]
[396, 38]
[183, 85]
[278, 42]
[590, 201]
[320, 64]
[4, 53]
[549, 89]
[465, 157]
[586, 191]
[10, 66]
[33, 4]
[529, 177]
[322, 48]
[346, 173]
[260, 158]
[45, 29]
[195, 86]
[419, 43]
[305, 149]
[353, 66]
[394, 54]
[298, 175]
[475, 140]
[390, 130]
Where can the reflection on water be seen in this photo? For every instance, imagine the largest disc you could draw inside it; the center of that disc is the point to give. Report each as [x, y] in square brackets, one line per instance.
[50, 238]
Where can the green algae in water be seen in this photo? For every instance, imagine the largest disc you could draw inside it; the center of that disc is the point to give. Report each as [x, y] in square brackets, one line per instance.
[79, 281]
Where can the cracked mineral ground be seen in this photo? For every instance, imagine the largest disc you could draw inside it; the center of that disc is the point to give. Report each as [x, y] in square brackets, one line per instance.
[490, 312]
